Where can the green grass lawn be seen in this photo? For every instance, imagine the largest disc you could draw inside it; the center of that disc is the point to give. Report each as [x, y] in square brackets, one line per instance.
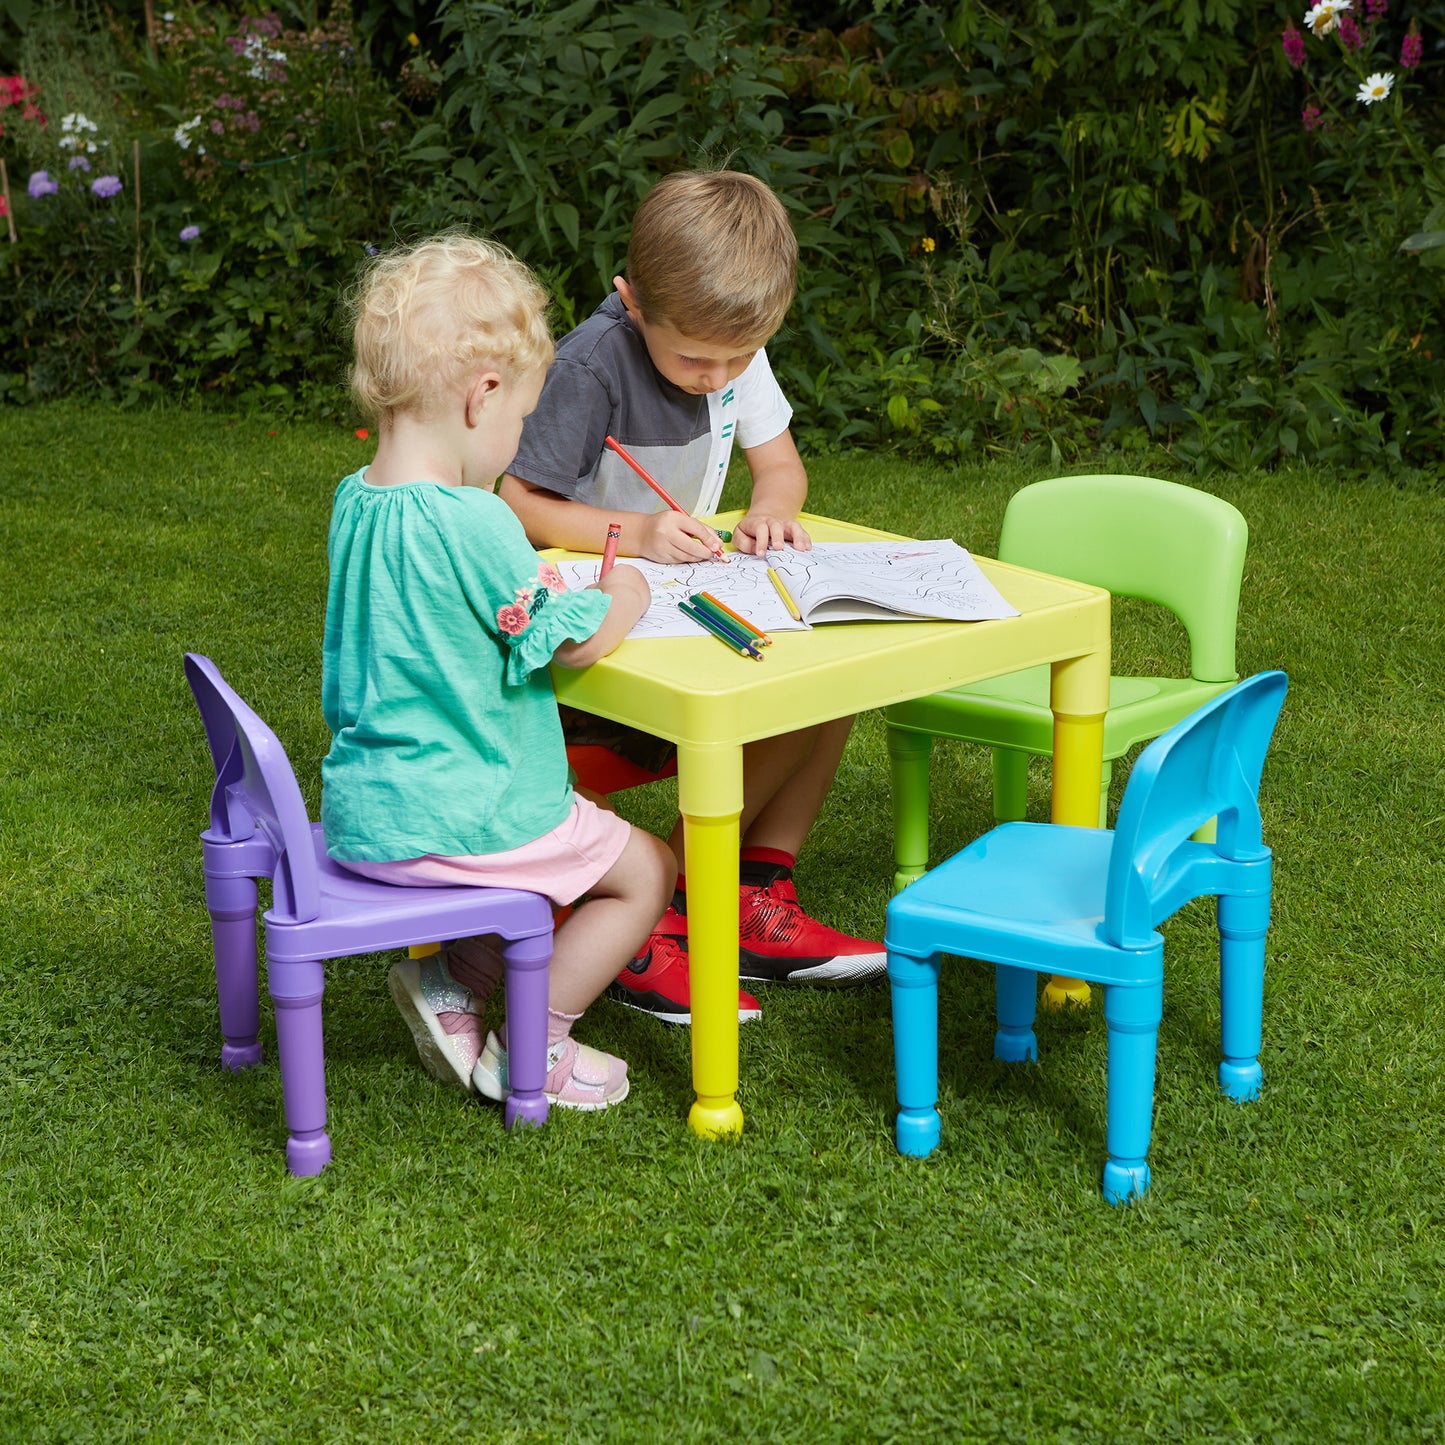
[612, 1277]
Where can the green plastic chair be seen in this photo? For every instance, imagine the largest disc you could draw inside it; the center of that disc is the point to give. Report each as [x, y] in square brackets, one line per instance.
[1137, 537]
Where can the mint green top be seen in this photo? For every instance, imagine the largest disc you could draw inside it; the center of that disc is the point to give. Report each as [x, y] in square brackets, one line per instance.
[440, 622]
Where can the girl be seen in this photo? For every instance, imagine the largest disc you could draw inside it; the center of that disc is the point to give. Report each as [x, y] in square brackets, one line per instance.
[447, 763]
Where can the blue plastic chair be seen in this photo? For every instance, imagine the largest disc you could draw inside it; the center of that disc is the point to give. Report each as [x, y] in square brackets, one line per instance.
[260, 830]
[1041, 898]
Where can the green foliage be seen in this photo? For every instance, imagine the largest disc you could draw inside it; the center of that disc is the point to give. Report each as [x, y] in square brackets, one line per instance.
[1023, 228]
[261, 156]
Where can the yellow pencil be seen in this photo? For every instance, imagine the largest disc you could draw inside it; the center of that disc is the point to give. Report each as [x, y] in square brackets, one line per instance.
[783, 593]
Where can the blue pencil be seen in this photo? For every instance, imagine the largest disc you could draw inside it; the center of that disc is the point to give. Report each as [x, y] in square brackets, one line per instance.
[720, 630]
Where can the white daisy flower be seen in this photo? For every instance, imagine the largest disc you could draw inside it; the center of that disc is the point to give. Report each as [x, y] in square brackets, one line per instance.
[1374, 87]
[1323, 17]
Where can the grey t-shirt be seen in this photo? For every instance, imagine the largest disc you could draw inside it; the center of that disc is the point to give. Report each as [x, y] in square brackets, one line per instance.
[603, 383]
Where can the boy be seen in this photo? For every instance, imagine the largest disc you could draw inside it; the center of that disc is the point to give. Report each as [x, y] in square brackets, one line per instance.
[672, 365]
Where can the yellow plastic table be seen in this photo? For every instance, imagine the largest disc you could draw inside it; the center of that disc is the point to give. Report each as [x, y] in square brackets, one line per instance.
[710, 702]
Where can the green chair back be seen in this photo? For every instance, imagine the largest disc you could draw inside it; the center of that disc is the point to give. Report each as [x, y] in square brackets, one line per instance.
[1140, 537]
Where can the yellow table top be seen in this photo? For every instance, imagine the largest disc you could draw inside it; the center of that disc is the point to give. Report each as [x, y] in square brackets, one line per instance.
[691, 690]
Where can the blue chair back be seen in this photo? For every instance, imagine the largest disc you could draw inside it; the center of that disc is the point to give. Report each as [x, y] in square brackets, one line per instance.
[1207, 766]
[256, 792]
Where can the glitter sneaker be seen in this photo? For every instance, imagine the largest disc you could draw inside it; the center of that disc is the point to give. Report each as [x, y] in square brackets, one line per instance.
[578, 1077]
[441, 1016]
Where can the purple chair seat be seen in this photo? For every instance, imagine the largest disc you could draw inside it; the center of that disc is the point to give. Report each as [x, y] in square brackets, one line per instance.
[260, 829]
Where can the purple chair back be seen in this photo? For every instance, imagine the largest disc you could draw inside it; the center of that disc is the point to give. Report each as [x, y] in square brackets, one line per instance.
[256, 790]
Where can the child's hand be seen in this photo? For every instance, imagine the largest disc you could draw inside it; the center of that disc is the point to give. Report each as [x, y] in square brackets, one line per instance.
[629, 589]
[759, 534]
[630, 595]
[676, 537]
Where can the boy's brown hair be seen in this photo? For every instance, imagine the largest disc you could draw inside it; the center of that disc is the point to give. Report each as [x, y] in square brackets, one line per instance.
[425, 316]
[713, 255]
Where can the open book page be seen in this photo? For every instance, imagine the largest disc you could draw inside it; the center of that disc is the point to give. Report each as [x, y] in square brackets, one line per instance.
[833, 582]
[878, 581]
[741, 583]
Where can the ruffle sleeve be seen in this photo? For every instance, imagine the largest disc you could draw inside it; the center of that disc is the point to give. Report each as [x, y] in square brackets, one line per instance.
[555, 615]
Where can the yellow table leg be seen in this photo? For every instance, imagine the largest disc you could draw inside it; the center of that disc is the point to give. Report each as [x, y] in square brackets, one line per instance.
[710, 794]
[1079, 697]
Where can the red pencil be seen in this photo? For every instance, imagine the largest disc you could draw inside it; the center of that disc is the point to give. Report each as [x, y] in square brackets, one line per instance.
[652, 482]
[609, 551]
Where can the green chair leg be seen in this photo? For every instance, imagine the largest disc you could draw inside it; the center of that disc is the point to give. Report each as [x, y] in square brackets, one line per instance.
[1010, 785]
[909, 755]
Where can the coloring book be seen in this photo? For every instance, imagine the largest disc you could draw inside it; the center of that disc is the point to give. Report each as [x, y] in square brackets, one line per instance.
[893, 581]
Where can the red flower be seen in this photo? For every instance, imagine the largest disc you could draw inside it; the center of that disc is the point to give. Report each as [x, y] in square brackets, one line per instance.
[512, 618]
[362, 432]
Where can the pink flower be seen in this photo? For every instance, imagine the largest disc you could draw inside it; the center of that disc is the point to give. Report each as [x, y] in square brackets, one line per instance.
[512, 619]
[1350, 36]
[550, 577]
[1411, 49]
[1311, 117]
[1293, 42]
[1375, 9]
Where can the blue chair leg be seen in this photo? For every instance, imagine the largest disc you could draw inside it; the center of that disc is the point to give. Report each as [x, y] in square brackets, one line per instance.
[296, 990]
[525, 961]
[1243, 924]
[914, 986]
[1016, 993]
[909, 754]
[1010, 785]
[1132, 1015]
[231, 902]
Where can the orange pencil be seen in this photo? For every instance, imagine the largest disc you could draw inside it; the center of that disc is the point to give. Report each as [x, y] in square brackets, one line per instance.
[751, 626]
[652, 482]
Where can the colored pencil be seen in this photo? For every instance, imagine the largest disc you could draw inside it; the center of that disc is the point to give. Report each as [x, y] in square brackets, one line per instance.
[736, 617]
[726, 635]
[609, 551]
[652, 482]
[785, 595]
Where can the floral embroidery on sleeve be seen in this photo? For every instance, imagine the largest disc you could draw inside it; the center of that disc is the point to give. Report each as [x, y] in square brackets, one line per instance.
[514, 617]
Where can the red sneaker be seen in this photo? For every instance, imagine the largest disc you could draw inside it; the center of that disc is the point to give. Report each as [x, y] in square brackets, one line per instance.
[657, 980]
[779, 943]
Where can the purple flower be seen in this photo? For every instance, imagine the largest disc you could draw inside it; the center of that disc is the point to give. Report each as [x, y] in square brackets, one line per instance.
[106, 186]
[78, 163]
[1350, 36]
[1310, 117]
[1375, 9]
[1293, 42]
[41, 185]
[190, 233]
[1411, 49]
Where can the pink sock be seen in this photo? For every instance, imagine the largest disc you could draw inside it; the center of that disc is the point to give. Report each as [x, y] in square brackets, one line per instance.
[476, 965]
[559, 1025]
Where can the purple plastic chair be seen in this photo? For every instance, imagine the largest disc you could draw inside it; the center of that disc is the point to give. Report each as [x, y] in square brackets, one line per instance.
[259, 829]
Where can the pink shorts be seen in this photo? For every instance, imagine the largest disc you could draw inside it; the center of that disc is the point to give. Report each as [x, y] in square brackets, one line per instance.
[561, 865]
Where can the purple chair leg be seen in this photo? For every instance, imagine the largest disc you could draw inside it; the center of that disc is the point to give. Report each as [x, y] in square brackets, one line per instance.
[526, 961]
[231, 902]
[296, 990]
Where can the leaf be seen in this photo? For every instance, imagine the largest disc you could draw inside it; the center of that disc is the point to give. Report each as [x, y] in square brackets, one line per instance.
[1423, 241]
[565, 215]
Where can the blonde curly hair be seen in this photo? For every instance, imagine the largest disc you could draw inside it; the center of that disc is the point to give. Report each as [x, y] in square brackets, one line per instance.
[425, 316]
